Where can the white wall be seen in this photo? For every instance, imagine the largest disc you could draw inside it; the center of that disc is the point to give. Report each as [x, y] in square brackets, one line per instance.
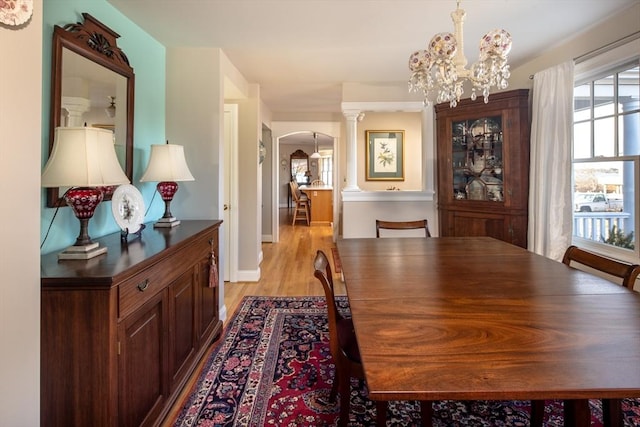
[20, 159]
[194, 115]
[616, 27]
[361, 209]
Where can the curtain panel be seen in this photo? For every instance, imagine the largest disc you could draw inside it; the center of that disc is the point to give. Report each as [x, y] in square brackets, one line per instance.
[550, 198]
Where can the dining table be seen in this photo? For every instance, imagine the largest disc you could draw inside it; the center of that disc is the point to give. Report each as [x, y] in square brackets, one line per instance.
[476, 318]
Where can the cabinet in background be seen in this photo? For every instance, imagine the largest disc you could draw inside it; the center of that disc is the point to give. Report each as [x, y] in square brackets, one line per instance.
[121, 333]
[321, 199]
[483, 167]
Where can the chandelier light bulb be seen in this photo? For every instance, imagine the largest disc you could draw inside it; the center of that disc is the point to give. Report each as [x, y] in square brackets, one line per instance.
[439, 72]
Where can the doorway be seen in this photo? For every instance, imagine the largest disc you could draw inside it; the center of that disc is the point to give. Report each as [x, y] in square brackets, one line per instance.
[323, 168]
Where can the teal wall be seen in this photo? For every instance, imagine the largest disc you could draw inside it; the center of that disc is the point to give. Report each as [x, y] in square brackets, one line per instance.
[147, 57]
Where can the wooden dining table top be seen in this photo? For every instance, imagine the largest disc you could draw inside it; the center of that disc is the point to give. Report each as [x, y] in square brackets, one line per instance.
[476, 318]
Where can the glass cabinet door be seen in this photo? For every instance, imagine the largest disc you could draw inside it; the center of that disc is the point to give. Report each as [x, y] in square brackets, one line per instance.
[477, 159]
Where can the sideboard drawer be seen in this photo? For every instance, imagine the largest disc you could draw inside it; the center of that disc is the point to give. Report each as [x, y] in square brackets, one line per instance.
[136, 291]
[139, 289]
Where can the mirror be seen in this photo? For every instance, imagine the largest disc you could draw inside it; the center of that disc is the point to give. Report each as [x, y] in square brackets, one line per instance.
[299, 161]
[92, 84]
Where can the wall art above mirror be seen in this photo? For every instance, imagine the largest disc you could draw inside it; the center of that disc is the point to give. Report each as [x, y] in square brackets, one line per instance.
[92, 84]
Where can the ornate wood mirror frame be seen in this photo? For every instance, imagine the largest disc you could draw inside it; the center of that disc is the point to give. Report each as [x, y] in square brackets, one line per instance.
[89, 73]
[299, 162]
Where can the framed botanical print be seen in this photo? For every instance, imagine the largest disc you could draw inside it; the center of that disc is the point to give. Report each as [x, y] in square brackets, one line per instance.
[385, 155]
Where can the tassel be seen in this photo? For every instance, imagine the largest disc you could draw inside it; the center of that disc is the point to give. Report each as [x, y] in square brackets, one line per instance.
[213, 272]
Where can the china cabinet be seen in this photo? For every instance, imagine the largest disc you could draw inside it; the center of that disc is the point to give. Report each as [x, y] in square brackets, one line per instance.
[121, 333]
[483, 167]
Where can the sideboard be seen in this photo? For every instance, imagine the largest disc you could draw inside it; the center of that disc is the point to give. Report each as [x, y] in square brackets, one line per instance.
[121, 333]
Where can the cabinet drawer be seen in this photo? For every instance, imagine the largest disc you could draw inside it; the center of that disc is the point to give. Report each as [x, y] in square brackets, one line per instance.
[139, 289]
[144, 285]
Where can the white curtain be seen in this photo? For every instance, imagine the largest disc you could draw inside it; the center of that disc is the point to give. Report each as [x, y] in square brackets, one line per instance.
[550, 198]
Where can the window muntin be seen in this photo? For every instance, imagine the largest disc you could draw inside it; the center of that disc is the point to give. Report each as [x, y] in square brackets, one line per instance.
[326, 170]
[606, 158]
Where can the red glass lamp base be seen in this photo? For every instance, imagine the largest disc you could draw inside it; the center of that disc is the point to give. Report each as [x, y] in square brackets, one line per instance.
[167, 190]
[83, 201]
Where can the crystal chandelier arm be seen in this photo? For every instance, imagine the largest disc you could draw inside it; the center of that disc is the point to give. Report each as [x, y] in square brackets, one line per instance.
[441, 70]
[458, 16]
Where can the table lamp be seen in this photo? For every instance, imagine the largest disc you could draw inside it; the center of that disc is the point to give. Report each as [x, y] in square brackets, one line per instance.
[167, 165]
[84, 159]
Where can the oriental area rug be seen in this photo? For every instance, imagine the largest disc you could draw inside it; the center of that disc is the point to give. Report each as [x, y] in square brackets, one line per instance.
[273, 367]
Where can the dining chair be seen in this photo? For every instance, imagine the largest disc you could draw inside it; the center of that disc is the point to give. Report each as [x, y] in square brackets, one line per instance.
[621, 272]
[625, 273]
[301, 204]
[402, 225]
[317, 183]
[343, 345]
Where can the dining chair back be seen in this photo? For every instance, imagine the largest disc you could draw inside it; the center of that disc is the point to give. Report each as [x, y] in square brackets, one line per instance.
[402, 225]
[624, 272]
[343, 344]
[618, 271]
[301, 211]
[317, 183]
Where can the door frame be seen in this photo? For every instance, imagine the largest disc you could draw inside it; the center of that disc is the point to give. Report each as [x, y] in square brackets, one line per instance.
[230, 196]
[326, 129]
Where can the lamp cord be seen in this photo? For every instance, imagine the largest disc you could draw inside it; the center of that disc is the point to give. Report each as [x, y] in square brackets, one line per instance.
[151, 202]
[58, 205]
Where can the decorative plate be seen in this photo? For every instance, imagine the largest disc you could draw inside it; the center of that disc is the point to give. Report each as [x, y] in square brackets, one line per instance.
[15, 12]
[127, 206]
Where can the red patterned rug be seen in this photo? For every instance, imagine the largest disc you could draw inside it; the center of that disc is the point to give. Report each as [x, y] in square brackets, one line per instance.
[273, 367]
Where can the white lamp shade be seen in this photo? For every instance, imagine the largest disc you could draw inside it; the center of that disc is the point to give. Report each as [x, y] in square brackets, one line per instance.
[315, 155]
[82, 157]
[167, 163]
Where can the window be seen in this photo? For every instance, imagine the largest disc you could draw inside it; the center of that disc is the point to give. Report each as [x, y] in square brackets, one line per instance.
[606, 160]
[326, 170]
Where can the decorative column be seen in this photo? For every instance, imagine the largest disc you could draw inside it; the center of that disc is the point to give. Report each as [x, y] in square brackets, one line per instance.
[353, 117]
[428, 149]
[75, 108]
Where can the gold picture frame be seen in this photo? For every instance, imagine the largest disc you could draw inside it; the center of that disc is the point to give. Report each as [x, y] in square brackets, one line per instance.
[384, 155]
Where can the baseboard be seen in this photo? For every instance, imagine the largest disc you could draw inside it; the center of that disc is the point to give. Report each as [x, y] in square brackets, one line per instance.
[223, 313]
[248, 275]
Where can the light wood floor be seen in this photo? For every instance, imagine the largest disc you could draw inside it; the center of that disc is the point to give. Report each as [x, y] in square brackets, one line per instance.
[286, 270]
[287, 266]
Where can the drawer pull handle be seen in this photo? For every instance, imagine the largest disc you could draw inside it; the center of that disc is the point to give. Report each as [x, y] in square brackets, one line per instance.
[143, 286]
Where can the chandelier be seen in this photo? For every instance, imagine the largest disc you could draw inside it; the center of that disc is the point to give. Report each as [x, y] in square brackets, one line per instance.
[440, 70]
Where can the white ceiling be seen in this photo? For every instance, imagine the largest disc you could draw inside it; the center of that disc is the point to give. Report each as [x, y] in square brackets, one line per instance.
[301, 51]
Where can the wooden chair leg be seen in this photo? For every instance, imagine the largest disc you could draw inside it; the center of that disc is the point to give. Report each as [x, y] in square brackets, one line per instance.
[577, 413]
[426, 413]
[612, 413]
[345, 401]
[381, 413]
[537, 413]
[295, 214]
